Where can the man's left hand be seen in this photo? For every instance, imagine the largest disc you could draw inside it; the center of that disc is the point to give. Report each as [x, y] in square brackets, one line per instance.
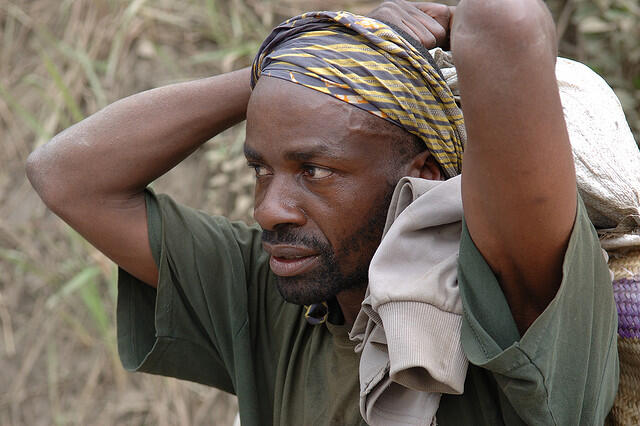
[429, 23]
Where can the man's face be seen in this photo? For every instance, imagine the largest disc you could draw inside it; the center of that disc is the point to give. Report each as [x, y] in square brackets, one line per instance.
[324, 180]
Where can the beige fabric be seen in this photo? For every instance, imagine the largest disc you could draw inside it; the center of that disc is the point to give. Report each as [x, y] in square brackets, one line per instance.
[606, 156]
[408, 330]
[612, 241]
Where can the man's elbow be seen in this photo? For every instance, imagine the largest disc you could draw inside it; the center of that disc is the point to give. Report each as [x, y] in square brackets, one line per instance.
[44, 173]
[33, 169]
[510, 25]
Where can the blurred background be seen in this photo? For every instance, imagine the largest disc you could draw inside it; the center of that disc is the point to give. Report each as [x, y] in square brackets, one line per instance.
[62, 60]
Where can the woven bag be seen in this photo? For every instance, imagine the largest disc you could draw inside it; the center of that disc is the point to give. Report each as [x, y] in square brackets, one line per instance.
[607, 162]
[625, 265]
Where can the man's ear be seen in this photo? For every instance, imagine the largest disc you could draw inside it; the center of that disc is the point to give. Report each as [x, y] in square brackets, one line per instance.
[425, 166]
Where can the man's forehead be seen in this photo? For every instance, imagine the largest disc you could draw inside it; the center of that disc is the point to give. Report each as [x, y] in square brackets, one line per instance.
[306, 111]
[285, 110]
[300, 152]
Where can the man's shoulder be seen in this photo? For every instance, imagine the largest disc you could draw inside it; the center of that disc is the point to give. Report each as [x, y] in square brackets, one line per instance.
[174, 224]
[565, 364]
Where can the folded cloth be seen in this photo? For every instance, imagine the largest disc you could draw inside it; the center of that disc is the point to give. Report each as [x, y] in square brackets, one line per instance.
[408, 330]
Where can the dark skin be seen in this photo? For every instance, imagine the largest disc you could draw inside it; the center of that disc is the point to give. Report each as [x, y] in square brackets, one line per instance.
[519, 188]
[318, 180]
[518, 180]
[429, 23]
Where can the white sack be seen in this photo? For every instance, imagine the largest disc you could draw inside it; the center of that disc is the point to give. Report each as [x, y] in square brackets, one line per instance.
[606, 157]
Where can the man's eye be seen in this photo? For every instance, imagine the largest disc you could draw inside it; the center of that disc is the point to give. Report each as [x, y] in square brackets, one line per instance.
[317, 172]
[260, 170]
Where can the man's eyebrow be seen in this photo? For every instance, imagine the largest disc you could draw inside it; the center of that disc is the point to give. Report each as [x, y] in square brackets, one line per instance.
[308, 154]
[251, 154]
[301, 155]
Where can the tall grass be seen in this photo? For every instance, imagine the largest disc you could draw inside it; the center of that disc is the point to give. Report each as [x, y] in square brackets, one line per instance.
[63, 60]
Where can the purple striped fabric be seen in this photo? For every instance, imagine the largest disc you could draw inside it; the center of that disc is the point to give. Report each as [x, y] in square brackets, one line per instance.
[627, 295]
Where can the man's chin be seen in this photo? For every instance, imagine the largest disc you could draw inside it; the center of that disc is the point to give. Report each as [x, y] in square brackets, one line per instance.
[303, 291]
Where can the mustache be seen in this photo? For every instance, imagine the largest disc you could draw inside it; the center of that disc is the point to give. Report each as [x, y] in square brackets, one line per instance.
[294, 238]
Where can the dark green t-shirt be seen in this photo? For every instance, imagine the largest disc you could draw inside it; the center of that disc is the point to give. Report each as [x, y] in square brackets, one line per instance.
[217, 319]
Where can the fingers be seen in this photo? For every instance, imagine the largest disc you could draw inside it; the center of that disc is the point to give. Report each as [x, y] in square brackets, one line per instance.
[443, 14]
[429, 23]
[438, 31]
[440, 12]
[423, 27]
[417, 30]
[398, 12]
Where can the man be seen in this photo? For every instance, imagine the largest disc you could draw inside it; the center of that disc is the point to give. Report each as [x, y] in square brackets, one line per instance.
[539, 321]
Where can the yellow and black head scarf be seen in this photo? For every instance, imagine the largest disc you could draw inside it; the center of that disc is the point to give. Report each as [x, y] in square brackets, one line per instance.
[368, 64]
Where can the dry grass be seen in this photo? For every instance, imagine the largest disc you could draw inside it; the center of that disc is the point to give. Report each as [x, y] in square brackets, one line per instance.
[59, 62]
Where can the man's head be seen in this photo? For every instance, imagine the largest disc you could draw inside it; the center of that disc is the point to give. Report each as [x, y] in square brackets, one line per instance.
[325, 173]
[342, 108]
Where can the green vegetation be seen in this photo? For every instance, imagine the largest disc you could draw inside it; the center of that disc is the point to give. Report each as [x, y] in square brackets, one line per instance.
[604, 34]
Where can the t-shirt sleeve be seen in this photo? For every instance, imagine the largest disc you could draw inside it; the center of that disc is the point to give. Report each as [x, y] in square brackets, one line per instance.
[564, 370]
[189, 327]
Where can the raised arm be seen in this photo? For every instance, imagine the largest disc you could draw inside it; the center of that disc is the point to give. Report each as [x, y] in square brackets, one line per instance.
[93, 175]
[518, 180]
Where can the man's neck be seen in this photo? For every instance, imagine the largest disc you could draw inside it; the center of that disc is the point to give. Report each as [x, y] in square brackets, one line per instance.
[350, 302]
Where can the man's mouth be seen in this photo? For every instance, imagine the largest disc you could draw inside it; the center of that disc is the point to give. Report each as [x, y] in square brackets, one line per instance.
[284, 267]
[288, 261]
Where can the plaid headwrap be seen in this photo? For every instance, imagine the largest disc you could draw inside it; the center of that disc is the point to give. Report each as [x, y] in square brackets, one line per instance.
[366, 63]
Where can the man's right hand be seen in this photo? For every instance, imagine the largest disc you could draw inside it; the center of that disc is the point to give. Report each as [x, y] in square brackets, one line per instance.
[429, 23]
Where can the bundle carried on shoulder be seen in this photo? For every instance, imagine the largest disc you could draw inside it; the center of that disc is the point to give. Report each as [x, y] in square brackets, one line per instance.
[607, 163]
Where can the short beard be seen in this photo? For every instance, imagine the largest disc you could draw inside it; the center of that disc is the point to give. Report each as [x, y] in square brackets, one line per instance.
[328, 279]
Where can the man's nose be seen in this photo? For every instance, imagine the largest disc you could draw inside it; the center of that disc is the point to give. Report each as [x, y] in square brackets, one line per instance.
[277, 204]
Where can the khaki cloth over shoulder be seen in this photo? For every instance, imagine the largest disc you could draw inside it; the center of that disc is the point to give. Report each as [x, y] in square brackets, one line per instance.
[217, 319]
[409, 324]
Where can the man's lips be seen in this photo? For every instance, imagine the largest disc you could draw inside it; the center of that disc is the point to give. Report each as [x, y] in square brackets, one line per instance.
[287, 260]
